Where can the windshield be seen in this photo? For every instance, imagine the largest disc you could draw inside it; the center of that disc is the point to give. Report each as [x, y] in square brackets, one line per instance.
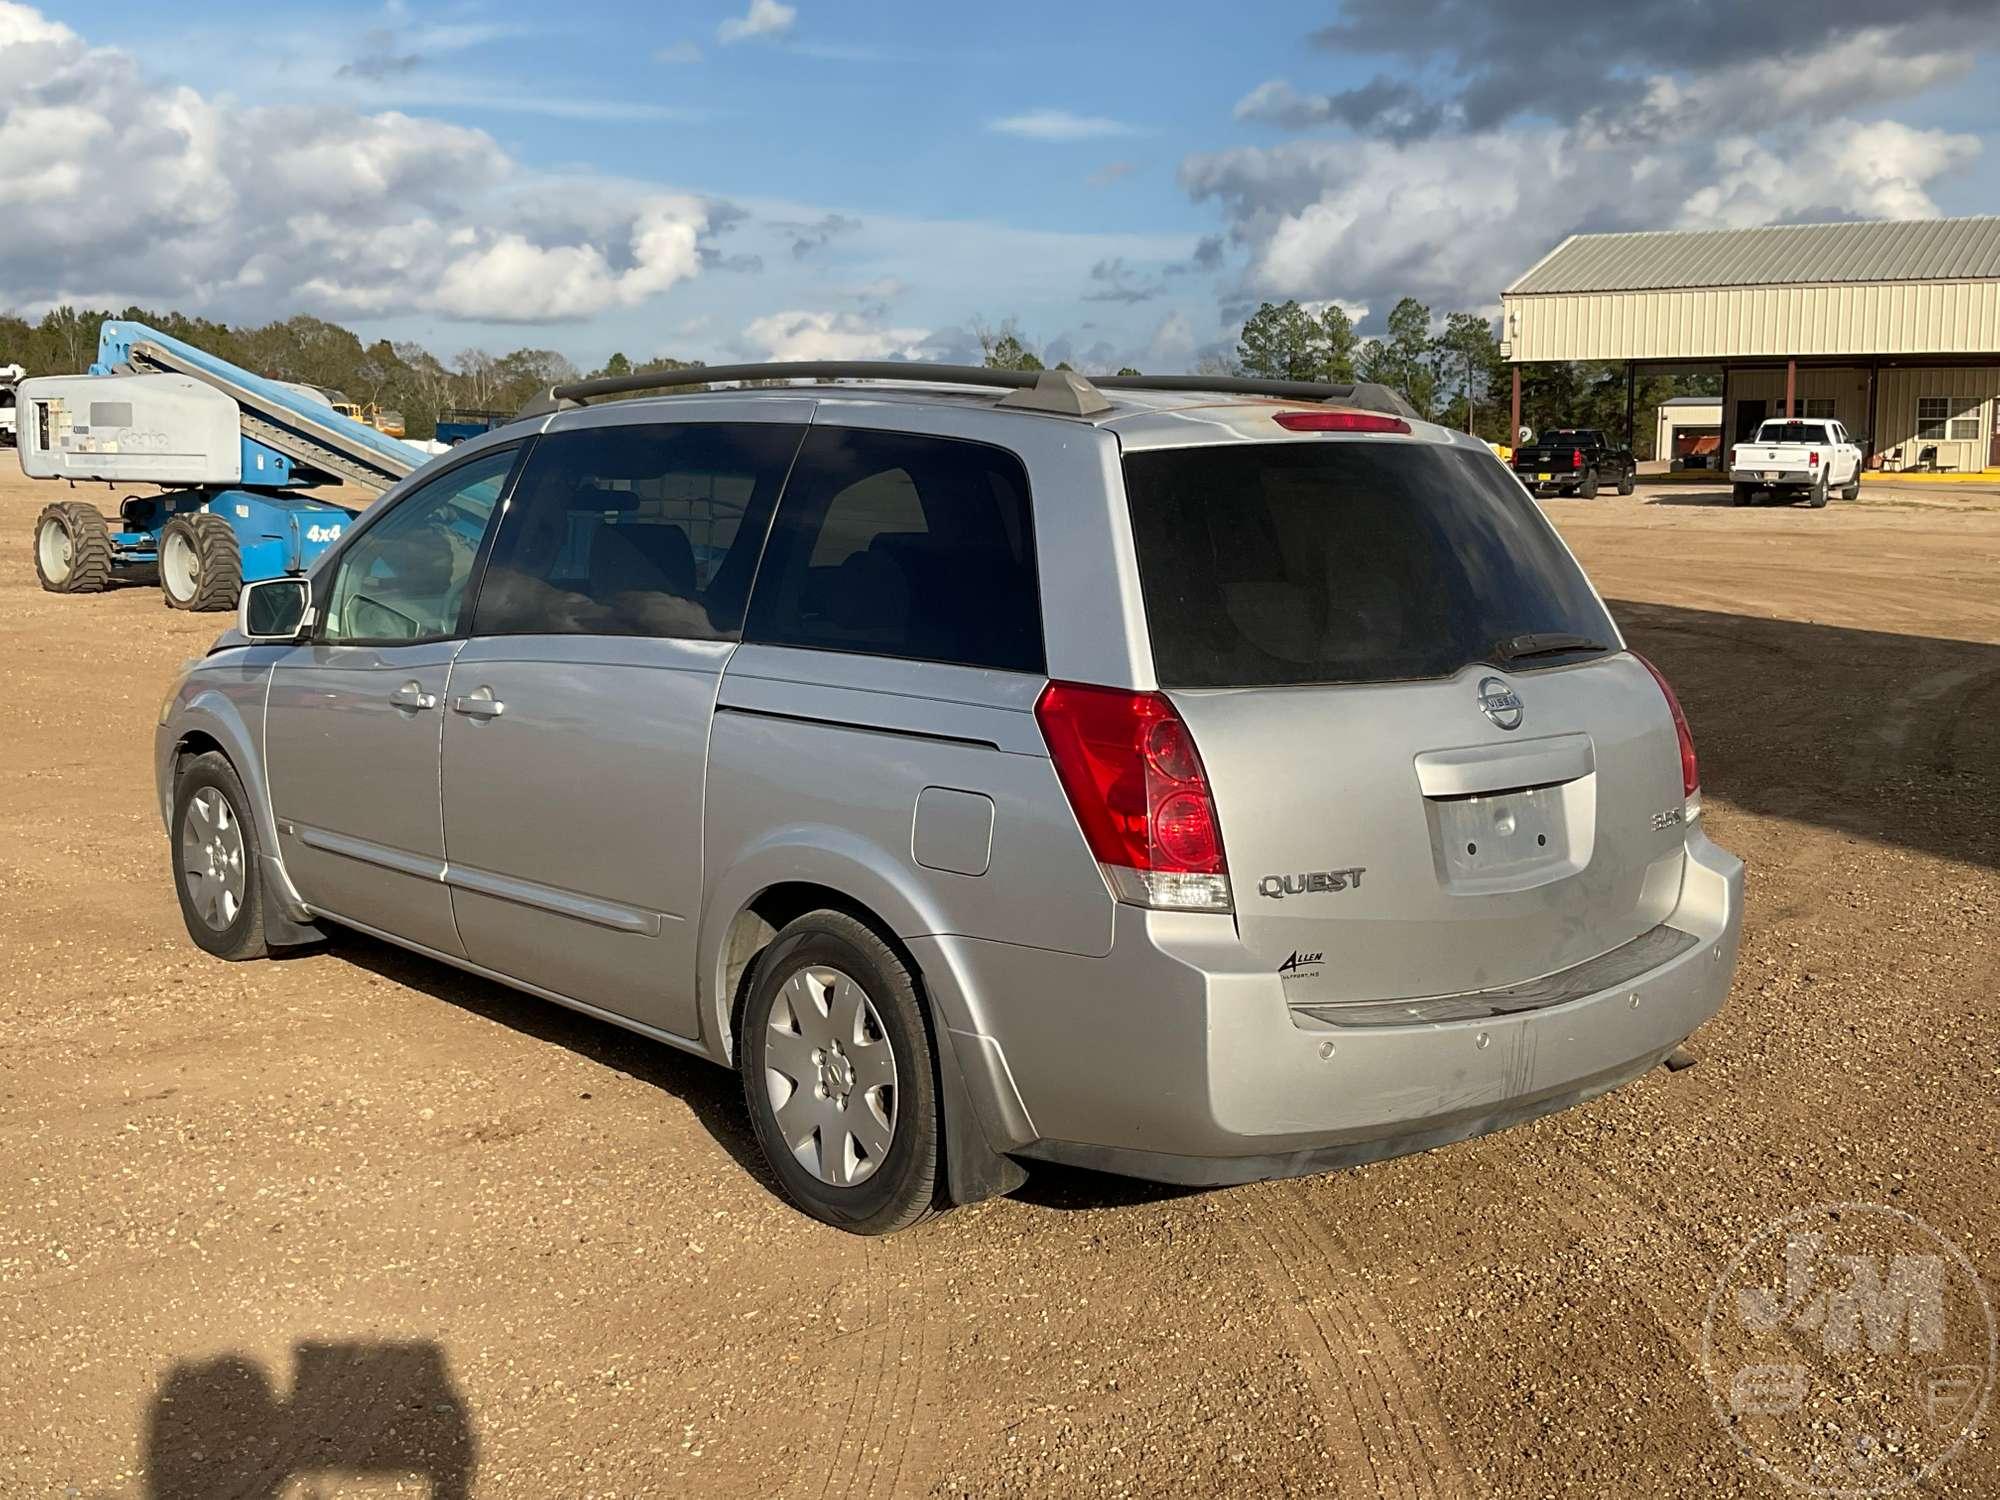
[1792, 432]
[1573, 437]
[1268, 564]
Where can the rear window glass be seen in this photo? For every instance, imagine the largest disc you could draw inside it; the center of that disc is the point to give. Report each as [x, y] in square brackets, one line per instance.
[1792, 432]
[1324, 562]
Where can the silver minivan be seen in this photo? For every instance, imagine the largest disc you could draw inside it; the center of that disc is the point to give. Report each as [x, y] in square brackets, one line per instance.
[1199, 781]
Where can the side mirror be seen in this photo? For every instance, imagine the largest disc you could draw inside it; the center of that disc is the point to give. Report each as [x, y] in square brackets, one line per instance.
[274, 609]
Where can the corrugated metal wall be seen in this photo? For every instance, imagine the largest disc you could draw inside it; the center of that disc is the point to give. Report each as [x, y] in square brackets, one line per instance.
[1971, 394]
[1937, 317]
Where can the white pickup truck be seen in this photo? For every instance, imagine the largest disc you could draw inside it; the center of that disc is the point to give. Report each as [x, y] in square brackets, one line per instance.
[10, 376]
[1796, 458]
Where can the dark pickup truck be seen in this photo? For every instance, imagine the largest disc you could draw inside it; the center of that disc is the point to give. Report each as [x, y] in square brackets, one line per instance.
[1574, 461]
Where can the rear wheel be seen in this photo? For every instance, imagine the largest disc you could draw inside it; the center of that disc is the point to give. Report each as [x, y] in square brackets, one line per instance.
[72, 549]
[1588, 489]
[216, 871]
[836, 1066]
[1816, 497]
[201, 565]
[1743, 494]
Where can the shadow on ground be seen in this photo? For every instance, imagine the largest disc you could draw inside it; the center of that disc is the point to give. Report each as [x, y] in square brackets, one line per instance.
[1885, 737]
[711, 1093]
[353, 1410]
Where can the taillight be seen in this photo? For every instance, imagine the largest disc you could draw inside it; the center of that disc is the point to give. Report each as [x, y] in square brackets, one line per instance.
[1576, 458]
[1135, 781]
[1690, 776]
[1813, 458]
[1340, 421]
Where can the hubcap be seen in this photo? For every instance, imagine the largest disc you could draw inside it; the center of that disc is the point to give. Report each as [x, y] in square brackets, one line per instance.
[180, 568]
[212, 858]
[831, 1076]
[55, 550]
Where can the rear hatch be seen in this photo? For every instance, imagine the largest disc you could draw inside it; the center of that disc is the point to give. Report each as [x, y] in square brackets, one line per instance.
[1435, 769]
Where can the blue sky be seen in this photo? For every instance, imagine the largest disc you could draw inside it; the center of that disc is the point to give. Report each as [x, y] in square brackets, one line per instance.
[753, 178]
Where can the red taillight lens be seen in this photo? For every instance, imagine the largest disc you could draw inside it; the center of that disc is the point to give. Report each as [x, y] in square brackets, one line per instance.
[1135, 781]
[1576, 458]
[1813, 458]
[1690, 775]
[1340, 421]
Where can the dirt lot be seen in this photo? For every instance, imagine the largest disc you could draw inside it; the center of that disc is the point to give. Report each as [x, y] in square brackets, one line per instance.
[356, 1221]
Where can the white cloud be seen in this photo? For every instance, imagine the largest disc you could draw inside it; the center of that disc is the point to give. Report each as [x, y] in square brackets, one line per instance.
[1452, 217]
[801, 334]
[766, 19]
[271, 210]
[679, 52]
[1172, 345]
[1059, 125]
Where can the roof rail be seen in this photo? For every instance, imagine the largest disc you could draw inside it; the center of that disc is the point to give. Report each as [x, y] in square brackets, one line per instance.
[1063, 392]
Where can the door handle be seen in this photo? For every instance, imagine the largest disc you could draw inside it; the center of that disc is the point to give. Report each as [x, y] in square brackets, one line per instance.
[479, 704]
[411, 695]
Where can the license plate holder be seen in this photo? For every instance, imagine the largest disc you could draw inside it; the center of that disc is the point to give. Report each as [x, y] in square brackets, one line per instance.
[1543, 478]
[1502, 839]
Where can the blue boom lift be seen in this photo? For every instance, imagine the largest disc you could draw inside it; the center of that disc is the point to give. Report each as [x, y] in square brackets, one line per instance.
[237, 459]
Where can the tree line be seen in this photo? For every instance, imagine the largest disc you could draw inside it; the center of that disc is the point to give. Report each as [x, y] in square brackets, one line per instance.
[402, 376]
[1452, 372]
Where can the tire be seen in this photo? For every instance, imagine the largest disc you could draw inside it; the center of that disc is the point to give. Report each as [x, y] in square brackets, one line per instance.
[1743, 494]
[1817, 496]
[215, 851]
[1852, 489]
[201, 563]
[72, 549]
[829, 984]
[1588, 489]
[1628, 481]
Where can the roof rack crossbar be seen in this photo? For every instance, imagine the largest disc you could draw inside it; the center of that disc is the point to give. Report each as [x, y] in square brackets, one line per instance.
[1060, 391]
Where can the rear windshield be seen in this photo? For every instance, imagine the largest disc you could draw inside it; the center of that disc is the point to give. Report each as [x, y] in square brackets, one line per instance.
[1791, 432]
[1269, 564]
[1573, 437]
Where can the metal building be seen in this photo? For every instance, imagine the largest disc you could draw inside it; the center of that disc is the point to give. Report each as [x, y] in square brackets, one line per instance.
[1891, 327]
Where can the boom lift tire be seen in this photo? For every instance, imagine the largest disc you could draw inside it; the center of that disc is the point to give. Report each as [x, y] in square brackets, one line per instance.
[201, 564]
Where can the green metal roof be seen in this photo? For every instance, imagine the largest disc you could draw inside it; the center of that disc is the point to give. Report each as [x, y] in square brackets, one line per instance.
[1784, 254]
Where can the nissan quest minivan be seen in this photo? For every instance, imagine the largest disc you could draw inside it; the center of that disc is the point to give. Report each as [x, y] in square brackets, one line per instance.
[1202, 781]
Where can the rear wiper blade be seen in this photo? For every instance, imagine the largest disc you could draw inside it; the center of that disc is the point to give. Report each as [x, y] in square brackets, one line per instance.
[1544, 643]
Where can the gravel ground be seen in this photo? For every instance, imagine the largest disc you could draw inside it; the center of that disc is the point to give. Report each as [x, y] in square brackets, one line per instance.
[354, 1222]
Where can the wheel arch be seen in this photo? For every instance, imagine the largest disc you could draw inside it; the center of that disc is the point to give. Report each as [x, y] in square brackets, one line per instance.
[973, 1169]
[210, 720]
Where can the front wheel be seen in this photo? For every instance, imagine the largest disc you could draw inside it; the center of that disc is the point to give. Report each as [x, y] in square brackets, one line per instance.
[836, 1066]
[1627, 481]
[1852, 489]
[72, 548]
[201, 563]
[216, 871]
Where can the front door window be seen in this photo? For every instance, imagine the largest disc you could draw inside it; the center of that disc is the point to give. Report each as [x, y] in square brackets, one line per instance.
[403, 580]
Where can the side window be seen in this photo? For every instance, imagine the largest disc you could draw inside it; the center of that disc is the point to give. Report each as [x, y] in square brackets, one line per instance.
[891, 544]
[649, 530]
[404, 579]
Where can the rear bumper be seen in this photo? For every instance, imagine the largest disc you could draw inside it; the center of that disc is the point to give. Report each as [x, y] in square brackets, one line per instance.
[1169, 1060]
[1803, 479]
